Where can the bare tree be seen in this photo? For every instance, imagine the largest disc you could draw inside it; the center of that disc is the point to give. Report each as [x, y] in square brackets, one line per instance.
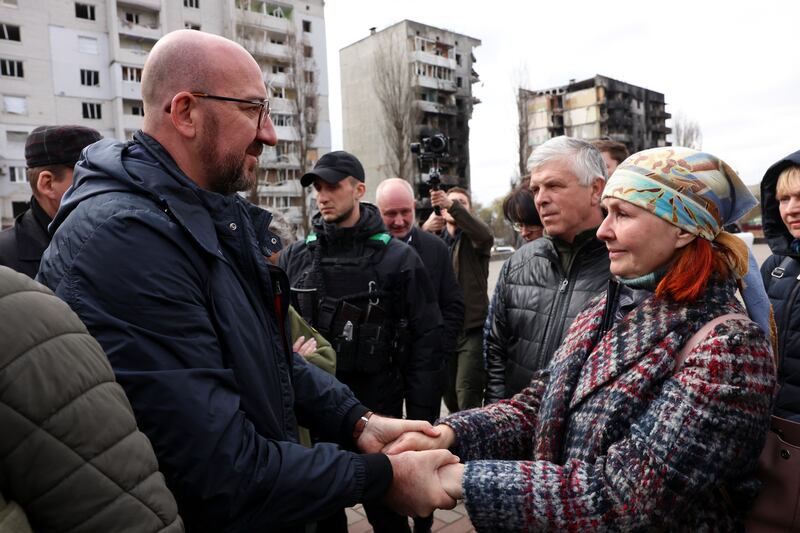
[521, 96]
[395, 88]
[686, 132]
[303, 79]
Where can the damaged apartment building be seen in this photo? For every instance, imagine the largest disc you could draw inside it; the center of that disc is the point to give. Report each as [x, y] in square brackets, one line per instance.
[595, 108]
[81, 62]
[432, 70]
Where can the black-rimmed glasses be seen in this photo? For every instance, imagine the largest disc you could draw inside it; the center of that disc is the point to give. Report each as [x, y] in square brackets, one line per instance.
[263, 104]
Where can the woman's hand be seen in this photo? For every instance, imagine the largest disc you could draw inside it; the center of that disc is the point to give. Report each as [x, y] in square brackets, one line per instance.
[305, 347]
[415, 441]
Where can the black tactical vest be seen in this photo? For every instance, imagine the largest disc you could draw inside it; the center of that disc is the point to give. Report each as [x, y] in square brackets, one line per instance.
[360, 314]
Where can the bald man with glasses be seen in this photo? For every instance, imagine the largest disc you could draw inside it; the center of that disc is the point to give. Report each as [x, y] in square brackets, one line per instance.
[164, 263]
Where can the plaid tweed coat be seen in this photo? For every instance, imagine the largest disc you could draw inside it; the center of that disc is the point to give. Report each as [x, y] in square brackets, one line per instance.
[611, 438]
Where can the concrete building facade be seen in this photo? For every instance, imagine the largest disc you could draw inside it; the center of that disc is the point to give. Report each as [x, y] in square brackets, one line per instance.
[80, 62]
[595, 108]
[441, 71]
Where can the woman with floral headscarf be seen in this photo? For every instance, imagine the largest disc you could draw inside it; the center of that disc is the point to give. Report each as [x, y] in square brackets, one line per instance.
[624, 432]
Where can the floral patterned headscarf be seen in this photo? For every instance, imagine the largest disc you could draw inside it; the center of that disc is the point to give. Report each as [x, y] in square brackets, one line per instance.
[693, 190]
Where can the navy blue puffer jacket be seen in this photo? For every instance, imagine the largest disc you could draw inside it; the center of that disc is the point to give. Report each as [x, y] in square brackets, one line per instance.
[171, 281]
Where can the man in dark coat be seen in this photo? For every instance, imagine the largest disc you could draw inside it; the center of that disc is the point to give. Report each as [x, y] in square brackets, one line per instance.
[372, 300]
[50, 155]
[395, 199]
[164, 263]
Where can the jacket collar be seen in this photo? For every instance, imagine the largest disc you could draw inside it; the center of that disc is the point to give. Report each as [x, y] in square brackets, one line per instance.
[655, 330]
[33, 223]
[650, 336]
[183, 197]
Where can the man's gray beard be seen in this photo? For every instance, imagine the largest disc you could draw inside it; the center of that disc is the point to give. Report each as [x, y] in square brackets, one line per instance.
[231, 177]
[228, 176]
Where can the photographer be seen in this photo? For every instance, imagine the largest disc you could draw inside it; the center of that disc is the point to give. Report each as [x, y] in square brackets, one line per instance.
[470, 242]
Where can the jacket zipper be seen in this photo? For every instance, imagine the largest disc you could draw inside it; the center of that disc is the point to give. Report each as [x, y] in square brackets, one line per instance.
[281, 320]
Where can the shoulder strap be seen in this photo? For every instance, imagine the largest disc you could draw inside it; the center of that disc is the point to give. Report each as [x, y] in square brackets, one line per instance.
[700, 335]
[780, 270]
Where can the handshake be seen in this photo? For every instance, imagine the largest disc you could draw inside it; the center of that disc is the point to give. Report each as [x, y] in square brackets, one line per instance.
[426, 476]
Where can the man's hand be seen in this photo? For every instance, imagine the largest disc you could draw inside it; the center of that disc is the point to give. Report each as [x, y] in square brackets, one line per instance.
[415, 441]
[439, 199]
[416, 488]
[381, 430]
[305, 347]
[434, 224]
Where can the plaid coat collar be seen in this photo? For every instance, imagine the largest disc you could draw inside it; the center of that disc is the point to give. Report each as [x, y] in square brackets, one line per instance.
[644, 342]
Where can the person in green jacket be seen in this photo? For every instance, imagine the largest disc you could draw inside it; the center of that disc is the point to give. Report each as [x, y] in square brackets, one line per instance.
[71, 455]
[307, 341]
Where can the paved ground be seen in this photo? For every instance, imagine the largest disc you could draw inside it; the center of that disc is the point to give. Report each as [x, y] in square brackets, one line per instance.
[444, 521]
[457, 521]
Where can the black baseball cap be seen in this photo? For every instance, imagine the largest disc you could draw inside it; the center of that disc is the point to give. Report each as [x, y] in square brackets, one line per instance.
[333, 167]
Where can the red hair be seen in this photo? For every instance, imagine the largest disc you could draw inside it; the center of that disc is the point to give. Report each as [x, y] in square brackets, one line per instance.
[693, 266]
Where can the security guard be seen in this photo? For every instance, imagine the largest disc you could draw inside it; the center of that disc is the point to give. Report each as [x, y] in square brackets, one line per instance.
[371, 297]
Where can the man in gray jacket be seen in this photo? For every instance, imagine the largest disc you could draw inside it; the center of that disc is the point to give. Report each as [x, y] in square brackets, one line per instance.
[545, 284]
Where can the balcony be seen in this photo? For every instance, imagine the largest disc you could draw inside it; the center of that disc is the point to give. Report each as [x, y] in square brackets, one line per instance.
[433, 59]
[287, 133]
[262, 20]
[266, 48]
[277, 80]
[152, 5]
[435, 107]
[132, 122]
[270, 159]
[131, 90]
[132, 56]
[436, 83]
[139, 31]
[283, 106]
[287, 188]
[618, 104]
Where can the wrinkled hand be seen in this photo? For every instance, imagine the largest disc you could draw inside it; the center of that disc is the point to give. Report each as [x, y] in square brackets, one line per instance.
[416, 489]
[434, 224]
[451, 477]
[415, 440]
[305, 347]
[381, 430]
[440, 199]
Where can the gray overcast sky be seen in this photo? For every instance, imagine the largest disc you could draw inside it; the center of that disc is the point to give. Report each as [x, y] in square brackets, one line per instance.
[734, 67]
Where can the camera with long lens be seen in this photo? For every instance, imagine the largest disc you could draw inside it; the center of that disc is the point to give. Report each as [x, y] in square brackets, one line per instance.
[429, 151]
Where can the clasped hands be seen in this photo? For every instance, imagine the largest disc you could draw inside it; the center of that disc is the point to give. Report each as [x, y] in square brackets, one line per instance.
[426, 475]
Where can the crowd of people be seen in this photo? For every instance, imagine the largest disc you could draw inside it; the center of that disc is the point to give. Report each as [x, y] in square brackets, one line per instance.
[180, 365]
